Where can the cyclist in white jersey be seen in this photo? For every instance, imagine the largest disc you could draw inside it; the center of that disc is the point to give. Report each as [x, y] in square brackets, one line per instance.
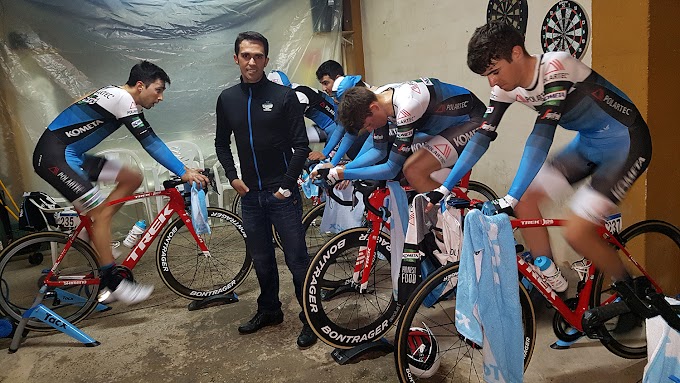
[60, 159]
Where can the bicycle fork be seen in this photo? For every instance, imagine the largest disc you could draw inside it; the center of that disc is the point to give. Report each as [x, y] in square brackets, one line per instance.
[365, 259]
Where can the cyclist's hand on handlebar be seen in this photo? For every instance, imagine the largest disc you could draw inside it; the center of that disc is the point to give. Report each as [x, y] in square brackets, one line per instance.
[331, 176]
[501, 205]
[435, 196]
[194, 175]
[316, 156]
[240, 186]
[315, 171]
[344, 184]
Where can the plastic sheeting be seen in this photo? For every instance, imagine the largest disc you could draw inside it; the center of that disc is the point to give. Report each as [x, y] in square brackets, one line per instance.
[53, 52]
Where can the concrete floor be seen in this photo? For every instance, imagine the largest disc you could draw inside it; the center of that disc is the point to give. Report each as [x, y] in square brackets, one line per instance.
[161, 341]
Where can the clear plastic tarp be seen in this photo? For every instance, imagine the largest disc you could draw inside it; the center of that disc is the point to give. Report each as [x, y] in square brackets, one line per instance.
[54, 52]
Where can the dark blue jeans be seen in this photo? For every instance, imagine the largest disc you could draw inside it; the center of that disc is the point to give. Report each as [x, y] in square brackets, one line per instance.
[261, 209]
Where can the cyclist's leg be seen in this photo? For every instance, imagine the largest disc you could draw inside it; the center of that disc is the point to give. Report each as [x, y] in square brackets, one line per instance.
[127, 181]
[622, 160]
[552, 182]
[440, 151]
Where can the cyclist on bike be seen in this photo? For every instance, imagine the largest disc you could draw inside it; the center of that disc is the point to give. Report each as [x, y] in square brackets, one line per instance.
[441, 116]
[327, 73]
[59, 158]
[319, 108]
[613, 144]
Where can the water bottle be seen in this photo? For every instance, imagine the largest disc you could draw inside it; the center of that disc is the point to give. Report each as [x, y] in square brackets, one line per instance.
[552, 273]
[135, 233]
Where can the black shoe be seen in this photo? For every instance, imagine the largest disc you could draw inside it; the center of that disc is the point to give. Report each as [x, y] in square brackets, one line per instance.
[261, 319]
[307, 337]
[594, 319]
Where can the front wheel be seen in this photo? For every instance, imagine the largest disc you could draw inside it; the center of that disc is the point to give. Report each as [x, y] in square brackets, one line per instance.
[454, 358]
[192, 274]
[340, 315]
[20, 280]
[656, 245]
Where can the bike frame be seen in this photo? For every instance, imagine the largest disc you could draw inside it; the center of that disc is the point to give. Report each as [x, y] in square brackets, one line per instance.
[366, 255]
[174, 206]
[573, 317]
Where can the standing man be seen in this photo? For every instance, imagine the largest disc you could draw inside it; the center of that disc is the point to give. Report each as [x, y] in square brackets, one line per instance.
[268, 126]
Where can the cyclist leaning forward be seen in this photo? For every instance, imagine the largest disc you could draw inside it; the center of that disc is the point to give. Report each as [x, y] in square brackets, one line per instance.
[59, 158]
[613, 144]
[441, 116]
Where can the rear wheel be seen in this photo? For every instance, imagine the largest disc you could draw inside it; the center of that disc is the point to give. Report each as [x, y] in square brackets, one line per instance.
[190, 273]
[656, 245]
[481, 192]
[457, 358]
[20, 279]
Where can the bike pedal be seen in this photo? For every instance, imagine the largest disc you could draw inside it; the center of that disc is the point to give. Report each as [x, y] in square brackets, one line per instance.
[594, 319]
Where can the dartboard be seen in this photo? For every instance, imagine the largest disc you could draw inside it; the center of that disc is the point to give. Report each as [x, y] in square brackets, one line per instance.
[565, 28]
[513, 12]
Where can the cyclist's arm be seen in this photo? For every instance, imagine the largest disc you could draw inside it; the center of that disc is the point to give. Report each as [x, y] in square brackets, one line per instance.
[141, 130]
[334, 138]
[223, 143]
[541, 138]
[374, 150]
[478, 144]
[345, 144]
[401, 149]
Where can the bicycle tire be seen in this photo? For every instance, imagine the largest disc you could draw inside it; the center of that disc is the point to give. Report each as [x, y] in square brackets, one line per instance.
[314, 238]
[21, 280]
[485, 191]
[459, 357]
[193, 275]
[632, 344]
[349, 318]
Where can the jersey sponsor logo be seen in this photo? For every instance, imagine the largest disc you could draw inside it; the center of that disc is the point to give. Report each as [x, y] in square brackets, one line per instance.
[404, 117]
[426, 81]
[452, 107]
[550, 115]
[83, 129]
[616, 106]
[415, 88]
[487, 127]
[489, 110]
[464, 138]
[554, 66]
[90, 100]
[104, 93]
[70, 183]
[444, 149]
[598, 94]
[417, 146]
[378, 136]
[137, 122]
[540, 98]
[556, 76]
[406, 134]
[404, 148]
[619, 190]
[267, 106]
[54, 170]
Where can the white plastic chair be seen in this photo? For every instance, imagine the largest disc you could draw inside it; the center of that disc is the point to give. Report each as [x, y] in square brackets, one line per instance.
[188, 153]
[131, 159]
[223, 185]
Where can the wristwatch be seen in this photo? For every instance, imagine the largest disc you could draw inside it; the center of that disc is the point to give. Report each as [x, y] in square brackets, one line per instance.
[285, 192]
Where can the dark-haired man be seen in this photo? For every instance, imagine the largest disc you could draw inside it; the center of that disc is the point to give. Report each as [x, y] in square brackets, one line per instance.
[613, 144]
[327, 73]
[442, 115]
[267, 122]
[59, 158]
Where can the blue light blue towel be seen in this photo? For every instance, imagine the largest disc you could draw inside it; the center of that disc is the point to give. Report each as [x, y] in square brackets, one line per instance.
[398, 208]
[487, 300]
[663, 351]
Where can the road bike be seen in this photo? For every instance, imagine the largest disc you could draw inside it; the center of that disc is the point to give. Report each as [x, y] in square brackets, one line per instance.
[191, 265]
[347, 295]
[624, 334]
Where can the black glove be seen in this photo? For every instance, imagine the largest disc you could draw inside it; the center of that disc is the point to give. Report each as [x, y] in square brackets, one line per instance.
[437, 194]
[501, 205]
